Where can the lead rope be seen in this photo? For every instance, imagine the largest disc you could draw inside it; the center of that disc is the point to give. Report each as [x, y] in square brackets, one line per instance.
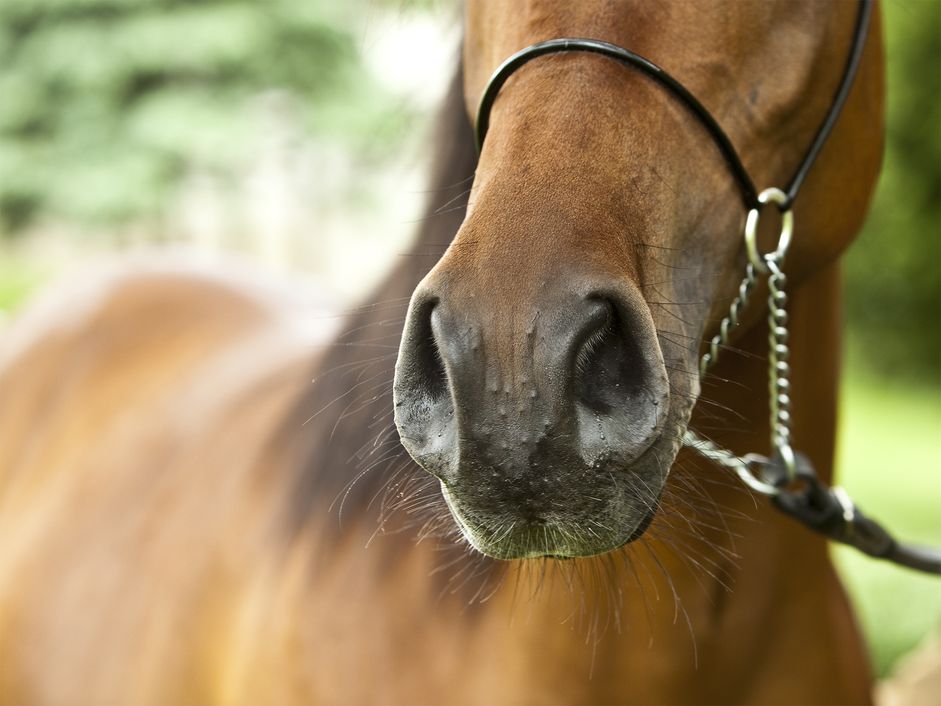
[787, 477]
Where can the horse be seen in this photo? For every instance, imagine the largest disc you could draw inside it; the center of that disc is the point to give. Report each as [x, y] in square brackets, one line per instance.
[184, 518]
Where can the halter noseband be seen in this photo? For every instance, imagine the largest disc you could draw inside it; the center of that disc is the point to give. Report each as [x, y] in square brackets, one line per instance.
[629, 58]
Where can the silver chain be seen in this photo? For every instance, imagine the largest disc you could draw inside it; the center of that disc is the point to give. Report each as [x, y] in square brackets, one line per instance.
[731, 320]
[742, 466]
[779, 369]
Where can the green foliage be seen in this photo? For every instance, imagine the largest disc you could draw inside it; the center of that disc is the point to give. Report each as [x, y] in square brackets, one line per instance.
[894, 271]
[105, 103]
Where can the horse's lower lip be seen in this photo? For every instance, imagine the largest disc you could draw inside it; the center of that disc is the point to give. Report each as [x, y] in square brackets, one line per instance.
[641, 528]
[512, 547]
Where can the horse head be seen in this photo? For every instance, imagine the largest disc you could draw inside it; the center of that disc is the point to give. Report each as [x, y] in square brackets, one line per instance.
[549, 364]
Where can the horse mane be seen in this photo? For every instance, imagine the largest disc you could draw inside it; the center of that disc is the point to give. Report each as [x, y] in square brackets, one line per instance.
[349, 449]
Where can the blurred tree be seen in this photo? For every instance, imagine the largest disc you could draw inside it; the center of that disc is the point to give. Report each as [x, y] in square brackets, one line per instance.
[105, 103]
[894, 270]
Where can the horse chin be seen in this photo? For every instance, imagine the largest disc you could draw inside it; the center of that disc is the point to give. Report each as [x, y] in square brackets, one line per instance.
[511, 535]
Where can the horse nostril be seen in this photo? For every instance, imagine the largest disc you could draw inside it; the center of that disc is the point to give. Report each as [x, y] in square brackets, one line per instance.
[619, 386]
[421, 355]
[609, 367]
[424, 412]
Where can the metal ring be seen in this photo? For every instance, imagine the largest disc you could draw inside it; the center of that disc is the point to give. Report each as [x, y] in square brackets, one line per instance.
[748, 475]
[790, 460]
[779, 198]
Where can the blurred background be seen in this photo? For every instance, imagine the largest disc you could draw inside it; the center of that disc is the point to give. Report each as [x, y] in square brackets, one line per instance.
[292, 133]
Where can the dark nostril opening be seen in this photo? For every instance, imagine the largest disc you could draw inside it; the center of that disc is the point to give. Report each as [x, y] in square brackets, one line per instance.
[609, 366]
[429, 376]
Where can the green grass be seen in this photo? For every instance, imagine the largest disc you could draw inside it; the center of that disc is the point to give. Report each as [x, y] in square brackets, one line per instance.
[890, 462]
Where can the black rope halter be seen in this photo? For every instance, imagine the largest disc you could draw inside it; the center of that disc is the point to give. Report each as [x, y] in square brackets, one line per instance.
[719, 136]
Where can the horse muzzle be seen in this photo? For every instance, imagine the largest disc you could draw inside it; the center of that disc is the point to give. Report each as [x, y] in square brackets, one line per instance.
[541, 421]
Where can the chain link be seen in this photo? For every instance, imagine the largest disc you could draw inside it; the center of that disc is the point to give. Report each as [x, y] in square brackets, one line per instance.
[731, 321]
[725, 458]
[779, 369]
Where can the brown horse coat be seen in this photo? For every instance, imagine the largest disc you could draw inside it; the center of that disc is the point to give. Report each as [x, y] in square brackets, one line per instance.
[134, 406]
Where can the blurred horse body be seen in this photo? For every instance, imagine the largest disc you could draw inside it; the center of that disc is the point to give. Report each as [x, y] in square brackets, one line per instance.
[170, 483]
